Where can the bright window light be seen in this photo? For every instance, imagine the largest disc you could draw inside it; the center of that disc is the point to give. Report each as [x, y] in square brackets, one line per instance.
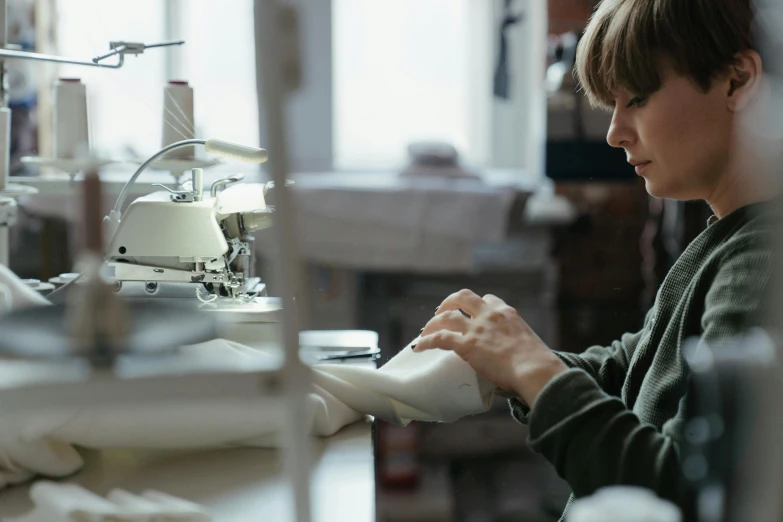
[126, 105]
[402, 73]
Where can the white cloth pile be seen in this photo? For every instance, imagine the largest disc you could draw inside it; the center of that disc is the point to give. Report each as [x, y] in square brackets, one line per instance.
[430, 386]
[68, 502]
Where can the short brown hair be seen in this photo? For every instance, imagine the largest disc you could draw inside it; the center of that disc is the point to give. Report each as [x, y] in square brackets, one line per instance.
[624, 39]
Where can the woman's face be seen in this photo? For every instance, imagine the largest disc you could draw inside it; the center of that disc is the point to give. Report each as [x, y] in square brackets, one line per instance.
[678, 138]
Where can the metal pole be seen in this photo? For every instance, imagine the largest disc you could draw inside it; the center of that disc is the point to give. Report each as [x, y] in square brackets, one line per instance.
[758, 491]
[7, 219]
[296, 450]
[763, 490]
[5, 135]
[3, 23]
[173, 10]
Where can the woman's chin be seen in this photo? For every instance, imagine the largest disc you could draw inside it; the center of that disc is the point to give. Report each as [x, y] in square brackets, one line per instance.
[657, 189]
[663, 191]
[654, 189]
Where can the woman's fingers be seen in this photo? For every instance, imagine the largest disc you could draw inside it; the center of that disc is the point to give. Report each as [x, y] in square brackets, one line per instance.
[453, 321]
[493, 301]
[465, 300]
[443, 340]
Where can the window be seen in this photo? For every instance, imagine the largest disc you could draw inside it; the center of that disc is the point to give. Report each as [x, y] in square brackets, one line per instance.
[407, 70]
[218, 59]
[124, 104]
[377, 74]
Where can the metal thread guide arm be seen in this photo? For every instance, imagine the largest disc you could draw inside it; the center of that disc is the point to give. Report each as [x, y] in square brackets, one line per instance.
[119, 49]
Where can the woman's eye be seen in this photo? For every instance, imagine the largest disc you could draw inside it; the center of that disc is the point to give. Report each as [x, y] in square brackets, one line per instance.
[635, 102]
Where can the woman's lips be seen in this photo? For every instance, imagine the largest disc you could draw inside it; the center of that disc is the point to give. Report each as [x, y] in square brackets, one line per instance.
[639, 167]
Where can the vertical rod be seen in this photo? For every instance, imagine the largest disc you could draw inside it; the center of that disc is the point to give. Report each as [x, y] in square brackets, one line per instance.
[5, 244]
[762, 491]
[198, 183]
[5, 151]
[5, 131]
[91, 214]
[5, 116]
[172, 18]
[295, 375]
[3, 43]
[3, 22]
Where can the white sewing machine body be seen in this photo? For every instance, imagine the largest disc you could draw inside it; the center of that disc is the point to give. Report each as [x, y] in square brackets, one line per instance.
[185, 245]
[177, 244]
[156, 227]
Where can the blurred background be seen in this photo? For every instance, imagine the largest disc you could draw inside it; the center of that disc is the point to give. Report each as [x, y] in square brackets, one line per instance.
[518, 193]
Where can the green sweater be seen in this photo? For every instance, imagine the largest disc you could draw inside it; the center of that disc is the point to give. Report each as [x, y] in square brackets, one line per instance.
[616, 416]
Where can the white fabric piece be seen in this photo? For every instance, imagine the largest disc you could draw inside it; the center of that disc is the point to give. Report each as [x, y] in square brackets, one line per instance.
[623, 504]
[67, 502]
[430, 386]
[14, 294]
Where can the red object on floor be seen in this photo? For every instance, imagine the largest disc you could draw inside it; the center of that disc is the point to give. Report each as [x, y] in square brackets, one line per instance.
[399, 464]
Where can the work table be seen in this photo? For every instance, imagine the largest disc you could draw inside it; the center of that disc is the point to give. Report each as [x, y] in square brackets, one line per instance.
[235, 485]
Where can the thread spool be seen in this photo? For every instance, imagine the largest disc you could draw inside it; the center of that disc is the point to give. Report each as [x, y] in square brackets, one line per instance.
[71, 124]
[178, 122]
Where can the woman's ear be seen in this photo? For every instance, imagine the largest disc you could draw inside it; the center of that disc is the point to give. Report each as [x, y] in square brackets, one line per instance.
[744, 79]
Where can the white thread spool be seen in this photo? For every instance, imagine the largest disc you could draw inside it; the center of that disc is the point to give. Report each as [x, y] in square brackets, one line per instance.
[71, 120]
[178, 123]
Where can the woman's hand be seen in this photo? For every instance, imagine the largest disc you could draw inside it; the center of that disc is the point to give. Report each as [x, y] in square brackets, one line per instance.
[495, 341]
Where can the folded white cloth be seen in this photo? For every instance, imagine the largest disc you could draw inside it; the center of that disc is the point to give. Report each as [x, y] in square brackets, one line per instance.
[67, 502]
[431, 386]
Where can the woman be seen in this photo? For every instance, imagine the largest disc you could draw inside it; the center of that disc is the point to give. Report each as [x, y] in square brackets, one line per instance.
[682, 78]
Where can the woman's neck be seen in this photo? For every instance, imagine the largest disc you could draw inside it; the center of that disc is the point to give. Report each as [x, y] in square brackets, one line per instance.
[743, 186]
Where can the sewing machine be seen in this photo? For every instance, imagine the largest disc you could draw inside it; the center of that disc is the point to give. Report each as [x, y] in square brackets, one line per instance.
[184, 244]
[192, 245]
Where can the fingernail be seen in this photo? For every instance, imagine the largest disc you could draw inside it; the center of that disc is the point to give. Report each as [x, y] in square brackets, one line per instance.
[437, 308]
[422, 329]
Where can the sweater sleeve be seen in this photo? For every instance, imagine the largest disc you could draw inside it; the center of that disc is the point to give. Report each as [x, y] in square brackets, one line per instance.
[594, 440]
[607, 365]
